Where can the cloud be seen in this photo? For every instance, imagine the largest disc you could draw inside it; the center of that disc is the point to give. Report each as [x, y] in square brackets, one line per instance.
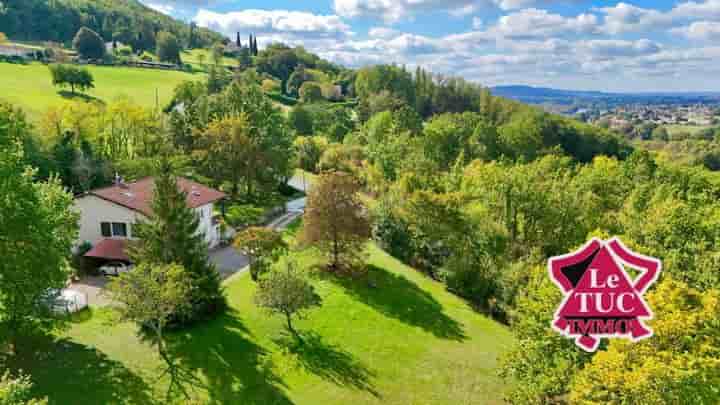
[383, 33]
[162, 8]
[701, 30]
[477, 23]
[533, 22]
[277, 23]
[610, 49]
[392, 11]
[628, 18]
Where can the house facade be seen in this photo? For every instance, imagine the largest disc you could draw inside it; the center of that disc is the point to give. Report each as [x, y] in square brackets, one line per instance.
[108, 215]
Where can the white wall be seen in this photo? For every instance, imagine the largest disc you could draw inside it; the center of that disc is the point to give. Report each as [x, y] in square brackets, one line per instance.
[94, 210]
[212, 235]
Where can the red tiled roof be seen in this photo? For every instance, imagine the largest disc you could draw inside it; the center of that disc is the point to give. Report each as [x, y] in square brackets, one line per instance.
[111, 249]
[138, 195]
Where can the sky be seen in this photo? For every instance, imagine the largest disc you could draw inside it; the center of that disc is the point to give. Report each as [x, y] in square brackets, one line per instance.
[634, 46]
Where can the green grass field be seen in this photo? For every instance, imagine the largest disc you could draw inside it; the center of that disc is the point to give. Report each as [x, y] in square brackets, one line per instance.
[404, 340]
[193, 57]
[30, 86]
[690, 129]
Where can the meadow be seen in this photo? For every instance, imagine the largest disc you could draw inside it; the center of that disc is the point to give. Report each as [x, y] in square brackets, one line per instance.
[30, 86]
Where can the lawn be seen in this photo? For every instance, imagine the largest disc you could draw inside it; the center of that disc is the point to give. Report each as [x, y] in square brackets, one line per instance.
[405, 340]
[30, 87]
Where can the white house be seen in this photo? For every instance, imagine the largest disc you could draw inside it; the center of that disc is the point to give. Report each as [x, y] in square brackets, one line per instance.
[107, 215]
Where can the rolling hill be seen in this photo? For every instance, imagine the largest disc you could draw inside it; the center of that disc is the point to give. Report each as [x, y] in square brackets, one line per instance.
[128, 21]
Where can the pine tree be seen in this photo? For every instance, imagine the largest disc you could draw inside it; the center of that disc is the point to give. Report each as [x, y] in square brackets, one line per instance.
[255, 48]
[250, 45]
[237, 40]
[171, 236]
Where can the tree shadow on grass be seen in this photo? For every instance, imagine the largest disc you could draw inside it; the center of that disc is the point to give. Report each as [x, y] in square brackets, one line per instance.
[79, 97]
[330, 362]
[71, 373]
[397, 297]
[236, 369]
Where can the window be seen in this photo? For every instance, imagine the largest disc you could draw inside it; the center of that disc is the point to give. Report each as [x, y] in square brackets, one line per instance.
[113, 229]
[105, 229]
[119, 229]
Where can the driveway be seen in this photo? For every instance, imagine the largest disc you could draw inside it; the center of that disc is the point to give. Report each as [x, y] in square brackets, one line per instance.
[228, 261]
[92, 287]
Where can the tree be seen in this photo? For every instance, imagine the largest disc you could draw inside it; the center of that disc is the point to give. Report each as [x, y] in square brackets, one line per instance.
[150, 295]
[217, 52]
[227, 150]
[89, 44]
[37, 231]
[660, 133]
[170, 235]
[262, 246]
[310, 92]
[17, 391]
[301, 120]
[168, 48]
[681, 357]
[73, 76]
[287, 292]
[238, 43]
[244, 58]
[335, 221]
[309, 150]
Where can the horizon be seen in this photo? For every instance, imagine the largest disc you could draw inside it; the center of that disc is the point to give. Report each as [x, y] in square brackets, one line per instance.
[638, 46]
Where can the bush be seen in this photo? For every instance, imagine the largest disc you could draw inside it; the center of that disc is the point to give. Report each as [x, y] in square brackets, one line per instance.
[239, 216]
[310, 92]
[271, 86]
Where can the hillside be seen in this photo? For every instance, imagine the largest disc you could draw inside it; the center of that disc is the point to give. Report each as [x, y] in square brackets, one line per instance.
[405, 341]
[30, 86]
[540, 95]
[127, 21]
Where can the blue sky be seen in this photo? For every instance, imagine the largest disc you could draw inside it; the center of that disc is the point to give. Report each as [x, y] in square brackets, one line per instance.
[639, 45]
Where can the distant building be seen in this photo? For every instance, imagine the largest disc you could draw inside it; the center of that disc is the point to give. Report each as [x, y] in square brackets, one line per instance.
[19, 51]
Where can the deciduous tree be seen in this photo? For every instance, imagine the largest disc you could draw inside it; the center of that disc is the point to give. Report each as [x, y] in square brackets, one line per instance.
[37, 231]
[73, 76]
[287, 291]
[168, 48]
[262, 246]
[89, 44]
[150, 295]
[335, 221]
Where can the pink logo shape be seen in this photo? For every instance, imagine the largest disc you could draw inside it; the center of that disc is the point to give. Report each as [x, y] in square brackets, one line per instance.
[601, 298]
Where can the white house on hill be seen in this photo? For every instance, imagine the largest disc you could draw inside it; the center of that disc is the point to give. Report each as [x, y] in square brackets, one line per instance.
[107, 215]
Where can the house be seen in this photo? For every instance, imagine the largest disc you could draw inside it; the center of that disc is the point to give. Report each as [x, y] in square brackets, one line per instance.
[107, 215]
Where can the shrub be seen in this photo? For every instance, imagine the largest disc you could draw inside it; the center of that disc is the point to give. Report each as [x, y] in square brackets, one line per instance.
[310, 92]
[239, 216]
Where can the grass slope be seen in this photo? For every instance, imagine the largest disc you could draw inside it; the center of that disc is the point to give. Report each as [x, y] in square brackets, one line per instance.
[405, 341]
[30, 86]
